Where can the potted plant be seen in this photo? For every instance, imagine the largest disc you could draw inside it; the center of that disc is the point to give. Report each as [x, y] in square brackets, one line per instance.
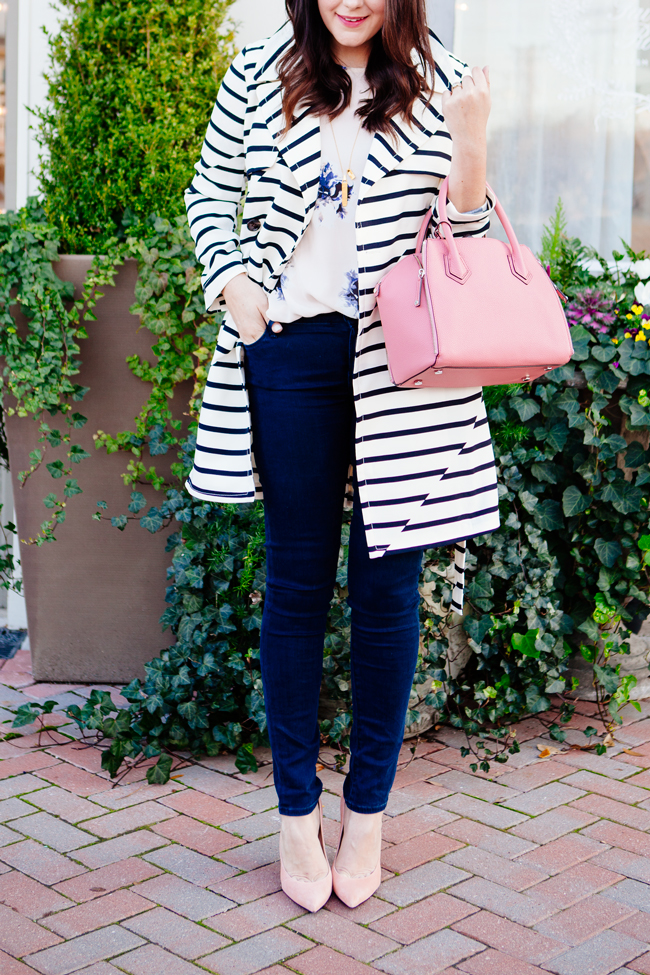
[101, 352]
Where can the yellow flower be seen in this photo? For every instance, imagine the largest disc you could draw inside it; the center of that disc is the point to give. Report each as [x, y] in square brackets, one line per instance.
[640, 337]
[629, 316]
[637, 309]
[628, 335]
[615, 341]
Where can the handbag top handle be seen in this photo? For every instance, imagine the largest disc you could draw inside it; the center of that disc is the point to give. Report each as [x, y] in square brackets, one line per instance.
[457, 265]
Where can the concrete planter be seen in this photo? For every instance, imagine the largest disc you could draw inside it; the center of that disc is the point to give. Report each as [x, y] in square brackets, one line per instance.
[95, 595]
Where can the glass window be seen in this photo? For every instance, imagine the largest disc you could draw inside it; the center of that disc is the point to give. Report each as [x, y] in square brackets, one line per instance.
[564, 110]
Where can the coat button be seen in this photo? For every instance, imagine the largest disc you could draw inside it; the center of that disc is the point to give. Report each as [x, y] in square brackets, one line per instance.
[253, 225]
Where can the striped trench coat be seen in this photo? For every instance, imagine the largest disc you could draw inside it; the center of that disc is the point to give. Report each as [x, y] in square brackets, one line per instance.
[424, 459]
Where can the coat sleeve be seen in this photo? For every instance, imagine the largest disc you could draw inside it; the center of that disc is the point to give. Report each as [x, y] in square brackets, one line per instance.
[474, 223]
[214, 195]
[450, 70]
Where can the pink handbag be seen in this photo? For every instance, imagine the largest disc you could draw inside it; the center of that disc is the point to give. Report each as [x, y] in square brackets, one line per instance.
[470, 311]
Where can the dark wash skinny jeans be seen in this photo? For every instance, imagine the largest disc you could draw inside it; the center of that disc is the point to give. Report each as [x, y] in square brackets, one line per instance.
[300, 387]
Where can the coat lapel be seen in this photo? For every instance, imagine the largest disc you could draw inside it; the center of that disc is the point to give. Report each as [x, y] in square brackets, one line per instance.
[387, 151]
[301, 145]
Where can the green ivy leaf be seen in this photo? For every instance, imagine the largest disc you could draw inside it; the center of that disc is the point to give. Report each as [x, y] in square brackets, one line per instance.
[635, 455]
[624, 496]
[152, 521]
[77, 454]
[159, 773]
[54, 438]
[27, 714]
[574, 502]
[607, 678]
[56, 468]
[548, 515]
[535, 700]
[480, 587]
[137, 503]
[529, 501]
[525, 643]
[581, 340]
[525, 407]
[607, 551]
[557, 436]
[477, 629]
[604, 353]
[195, 715]
[245, 759]
[72, 487]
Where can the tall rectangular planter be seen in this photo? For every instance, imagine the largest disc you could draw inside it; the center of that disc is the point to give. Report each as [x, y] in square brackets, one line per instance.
[95, 595]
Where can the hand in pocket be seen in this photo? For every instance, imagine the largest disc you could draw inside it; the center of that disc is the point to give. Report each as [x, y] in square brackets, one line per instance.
[248, 305]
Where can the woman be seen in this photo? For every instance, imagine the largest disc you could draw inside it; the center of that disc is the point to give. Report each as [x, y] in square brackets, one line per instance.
[341, 125]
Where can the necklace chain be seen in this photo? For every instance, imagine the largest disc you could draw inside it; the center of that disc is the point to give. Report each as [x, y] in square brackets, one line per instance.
[348, 174]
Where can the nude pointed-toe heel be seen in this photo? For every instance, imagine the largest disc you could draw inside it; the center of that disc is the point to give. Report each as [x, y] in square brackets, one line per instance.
[354, 890]
[311, 895]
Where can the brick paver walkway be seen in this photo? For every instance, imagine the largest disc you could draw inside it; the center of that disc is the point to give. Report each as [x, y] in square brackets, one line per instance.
[543, 867]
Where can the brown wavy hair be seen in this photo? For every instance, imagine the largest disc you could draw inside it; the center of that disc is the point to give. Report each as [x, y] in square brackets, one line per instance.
[310, 75]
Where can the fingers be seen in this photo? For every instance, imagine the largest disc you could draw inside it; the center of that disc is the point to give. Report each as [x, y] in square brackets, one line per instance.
[275, 326]
[470, 90]
[481, 78]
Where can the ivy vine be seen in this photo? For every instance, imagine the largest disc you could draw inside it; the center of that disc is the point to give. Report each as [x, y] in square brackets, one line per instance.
[566, 574]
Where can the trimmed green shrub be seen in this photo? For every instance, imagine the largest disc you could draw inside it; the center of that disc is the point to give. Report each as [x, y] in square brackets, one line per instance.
[130, 88]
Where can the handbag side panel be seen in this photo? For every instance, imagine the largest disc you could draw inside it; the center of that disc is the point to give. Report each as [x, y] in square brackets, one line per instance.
[493, 328]
[409, 337]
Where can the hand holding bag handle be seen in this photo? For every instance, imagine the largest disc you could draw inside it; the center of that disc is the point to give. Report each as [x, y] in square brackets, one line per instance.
[491, 314]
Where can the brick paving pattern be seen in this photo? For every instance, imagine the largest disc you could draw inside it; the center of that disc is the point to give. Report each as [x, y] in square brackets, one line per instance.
[540, 868]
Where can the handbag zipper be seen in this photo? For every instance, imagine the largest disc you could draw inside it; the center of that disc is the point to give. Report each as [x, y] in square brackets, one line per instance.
[418, 300]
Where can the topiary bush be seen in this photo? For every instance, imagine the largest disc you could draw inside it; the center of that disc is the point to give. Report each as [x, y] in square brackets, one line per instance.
[130, 88]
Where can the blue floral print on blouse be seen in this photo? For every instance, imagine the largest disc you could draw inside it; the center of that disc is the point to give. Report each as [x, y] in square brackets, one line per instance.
[350, 292]
[329, 191]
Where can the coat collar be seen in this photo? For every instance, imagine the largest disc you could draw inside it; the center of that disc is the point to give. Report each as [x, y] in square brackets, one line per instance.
[300, 147]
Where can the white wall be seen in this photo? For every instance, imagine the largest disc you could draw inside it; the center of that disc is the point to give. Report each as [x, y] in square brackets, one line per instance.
[27, 56]
[257, 18]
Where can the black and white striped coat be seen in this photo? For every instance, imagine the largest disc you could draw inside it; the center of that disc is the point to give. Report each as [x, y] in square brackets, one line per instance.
[424, 457]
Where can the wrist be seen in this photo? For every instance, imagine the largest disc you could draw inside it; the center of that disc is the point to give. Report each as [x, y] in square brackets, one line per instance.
[232, 285]
[474, 149]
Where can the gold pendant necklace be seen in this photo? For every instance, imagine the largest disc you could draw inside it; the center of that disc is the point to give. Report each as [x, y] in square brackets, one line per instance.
[349, 176]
